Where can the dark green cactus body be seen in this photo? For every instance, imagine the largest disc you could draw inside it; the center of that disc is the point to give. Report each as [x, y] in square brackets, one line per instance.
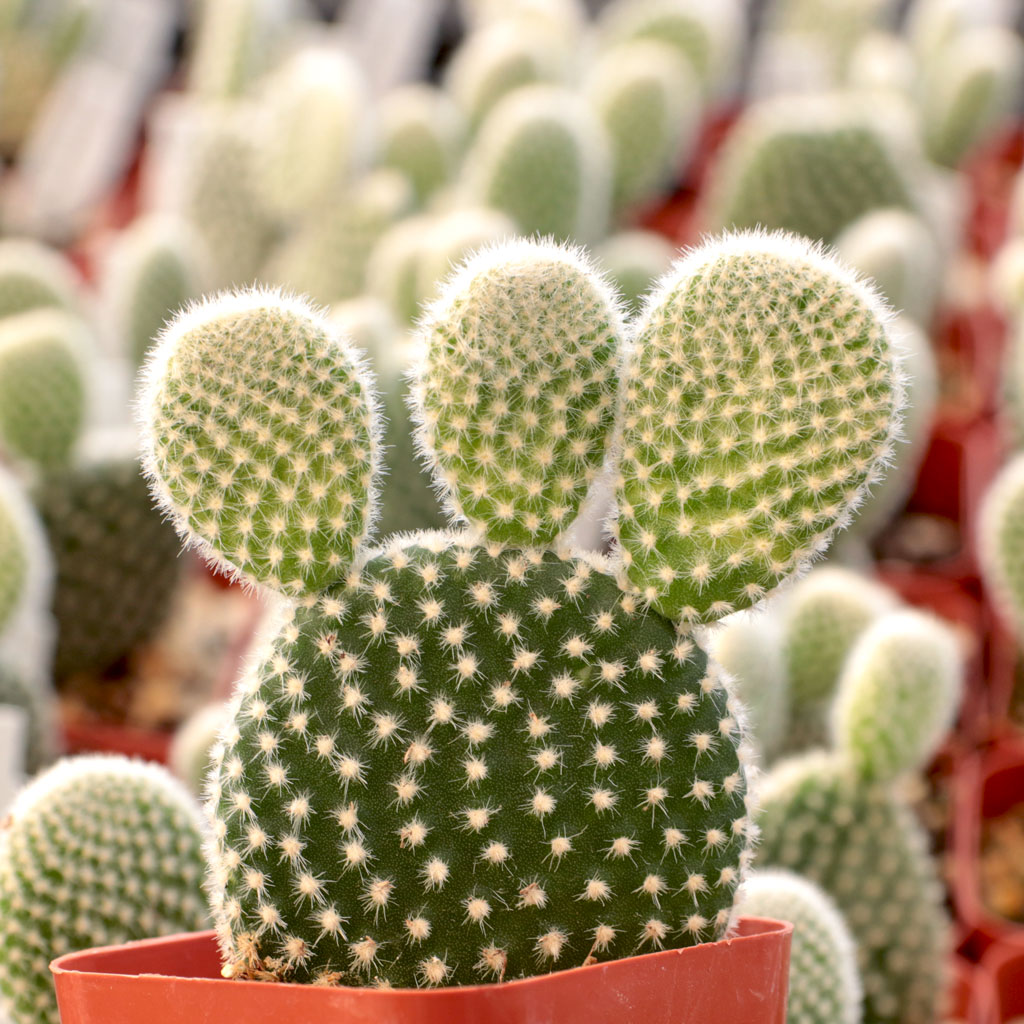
[470, 764]
[117, 562]
[861, 844]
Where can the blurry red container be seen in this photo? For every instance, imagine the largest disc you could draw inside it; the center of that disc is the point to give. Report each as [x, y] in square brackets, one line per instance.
[1004, 967]
[166, 981]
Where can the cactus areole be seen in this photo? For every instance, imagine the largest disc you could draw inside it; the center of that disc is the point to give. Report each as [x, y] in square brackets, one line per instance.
[478, 755]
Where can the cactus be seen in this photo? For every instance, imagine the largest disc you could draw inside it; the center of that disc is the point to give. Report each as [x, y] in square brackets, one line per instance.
[649, 101]
[820, 622]
[457, 761]
[154, 269]
[407, 501]
[117, 562]
[838, 818]
[95, 851]
[968, 88]
[421, 135]
[541, 445]
[809, 164]
[1001, 543]
[191, 753]
[705, 32]
[43, 387]
[497, 60]
[35, 697]
[824, 986]
[714, 388]
[314, 134]
[897, 694]
[898, 251]
[748, 646]
[222, 199]
[327, 257]
[232, 45]
[392, 268]
[542, 157]
[34, 276]
[634, 260]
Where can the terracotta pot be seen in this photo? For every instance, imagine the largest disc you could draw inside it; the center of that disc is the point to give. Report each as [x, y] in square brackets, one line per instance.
[1003, 965]
[165, 981]
[989, 784]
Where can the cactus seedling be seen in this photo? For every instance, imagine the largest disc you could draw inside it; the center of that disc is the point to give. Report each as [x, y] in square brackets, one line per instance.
[43, 397]
[95, 851]
[459, 760]
[542, 157]
[824, 985]
[711, 513]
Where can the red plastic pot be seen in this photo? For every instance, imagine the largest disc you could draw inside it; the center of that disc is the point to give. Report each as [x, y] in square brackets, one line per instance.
[971, 997]
[1004, 966]
[85, 737]
[165, 981]
[989, 784]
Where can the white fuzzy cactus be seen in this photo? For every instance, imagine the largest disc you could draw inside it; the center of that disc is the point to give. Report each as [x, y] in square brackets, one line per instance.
[1001, 542]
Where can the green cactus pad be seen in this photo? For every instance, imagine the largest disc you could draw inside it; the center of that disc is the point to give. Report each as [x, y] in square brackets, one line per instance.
[634, 260]
[1001, 542]
[809, 164]
[542, 158]
[34, 276]
[260, 434]
[470, 765]
[898, 694]
[94, 852]
[117, 561]
[761, 402]
[516, 392]
[153, 272]
[861, 845]
[824, 986]
[43, 356]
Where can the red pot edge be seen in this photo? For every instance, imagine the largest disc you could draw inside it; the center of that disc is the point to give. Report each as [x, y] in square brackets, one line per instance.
[752, 932]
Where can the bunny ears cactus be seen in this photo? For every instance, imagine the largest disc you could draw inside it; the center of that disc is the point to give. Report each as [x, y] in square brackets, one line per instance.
[755, 404]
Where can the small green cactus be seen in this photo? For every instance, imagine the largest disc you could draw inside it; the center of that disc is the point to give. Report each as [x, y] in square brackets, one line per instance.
[898, 251]
[154, 269]
[95, 851]
[838, 818]
[820, 621]
[191, 754]
[421, 134]
[275, 485]
[34, 276]
[519, 765]
[634, 260]
[809, 164]
[222, 199]
[748, 646]
[117, 561]
[43, 387]
[232, 45]
[1001, 542]
[543, 158]
[969, 87]
[327, 257]
[314, 131]
[497, 60]
[713, 398]
[898, 694]
[650, 103]
[538, 393]
[824, 985]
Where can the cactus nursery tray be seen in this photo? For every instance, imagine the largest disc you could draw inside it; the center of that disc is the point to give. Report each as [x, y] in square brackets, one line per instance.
[742, 980]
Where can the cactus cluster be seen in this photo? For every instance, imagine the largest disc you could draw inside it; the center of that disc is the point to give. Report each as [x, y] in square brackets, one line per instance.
[523, 764]
[95, 851]
[838, 818]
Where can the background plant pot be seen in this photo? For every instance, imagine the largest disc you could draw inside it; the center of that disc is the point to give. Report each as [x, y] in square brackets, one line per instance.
[971, 997]
[165, 981]
[1004, 967]
[990, 784]
[82, 737]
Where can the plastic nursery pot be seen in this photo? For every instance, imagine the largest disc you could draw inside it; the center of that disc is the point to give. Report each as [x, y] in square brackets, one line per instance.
[1003, 965]
[85, 737]
[742, 980]
[990, 174]
[971, 999]
[989, 784]
[970, 343]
